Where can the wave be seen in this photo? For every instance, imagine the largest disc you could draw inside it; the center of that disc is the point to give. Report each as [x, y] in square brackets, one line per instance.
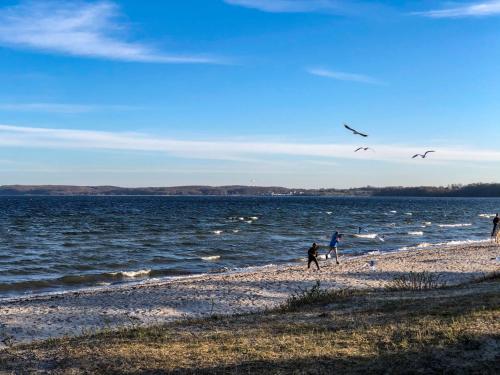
[393, 212]
[488, 216]
[424, 245]
[132, 274]
[328, 212]
[409, 213]
[210, 257]
[367, 235]
[427, 222]
[454, 225]
[416, 233]
[217, 232]
[374, 252]
[73, 281]
[254, 218]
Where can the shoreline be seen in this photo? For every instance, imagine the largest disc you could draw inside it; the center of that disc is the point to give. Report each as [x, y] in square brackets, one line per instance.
[256, 268]
[159, 301]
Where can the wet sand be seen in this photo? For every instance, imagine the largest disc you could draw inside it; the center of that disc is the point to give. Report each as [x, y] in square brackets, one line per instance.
[72, 313]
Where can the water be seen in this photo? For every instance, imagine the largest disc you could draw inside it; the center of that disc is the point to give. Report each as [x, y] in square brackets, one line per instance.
[50, 244]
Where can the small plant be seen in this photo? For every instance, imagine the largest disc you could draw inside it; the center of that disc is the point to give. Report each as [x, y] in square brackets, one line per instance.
[416, 281]
[314, 295]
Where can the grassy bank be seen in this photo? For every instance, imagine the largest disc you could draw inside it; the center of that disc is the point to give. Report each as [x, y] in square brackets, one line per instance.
[444, 330]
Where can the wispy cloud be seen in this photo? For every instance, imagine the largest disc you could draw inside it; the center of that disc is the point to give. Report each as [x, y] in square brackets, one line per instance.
[478, 9]
[15, 136]
[93, 29]
[296, 6]
[343, 76]
[62, 107]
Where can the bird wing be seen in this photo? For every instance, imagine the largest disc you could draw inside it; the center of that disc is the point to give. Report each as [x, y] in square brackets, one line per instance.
[414, 156]
[349, 128]
[426, 152]
[359, 148]
[355, 131]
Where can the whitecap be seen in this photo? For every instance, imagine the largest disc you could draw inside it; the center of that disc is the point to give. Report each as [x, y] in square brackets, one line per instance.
[423, 245]
[211, 257]
[393, 212]
[217, 232]
[133, 274]
[453, 225]
[328, 212]
[409, 213]
[367, 235]
[488, 216]
[416, 233]
[254, 218]
[236, 230]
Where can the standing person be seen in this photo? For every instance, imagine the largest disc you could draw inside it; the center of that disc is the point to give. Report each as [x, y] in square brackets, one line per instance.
[496, 220]
[312, 254]
[333, 245]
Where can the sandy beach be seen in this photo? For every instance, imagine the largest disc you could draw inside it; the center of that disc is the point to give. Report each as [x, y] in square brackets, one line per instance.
[72, 313]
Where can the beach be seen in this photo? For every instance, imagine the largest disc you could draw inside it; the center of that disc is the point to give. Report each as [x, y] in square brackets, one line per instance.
[28, 319]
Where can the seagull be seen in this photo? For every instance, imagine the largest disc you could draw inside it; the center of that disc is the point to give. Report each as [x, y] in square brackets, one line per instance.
[364, 149]
[355, 131]
[422, 156]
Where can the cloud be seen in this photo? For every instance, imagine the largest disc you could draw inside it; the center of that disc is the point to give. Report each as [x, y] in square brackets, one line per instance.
[487, 8]
[78, 28]
[16, 136]
[62, 107]
[288, 6]
[342, 76]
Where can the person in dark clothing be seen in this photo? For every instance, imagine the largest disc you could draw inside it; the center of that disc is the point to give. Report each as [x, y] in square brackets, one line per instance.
[313, 253]
[496, 220]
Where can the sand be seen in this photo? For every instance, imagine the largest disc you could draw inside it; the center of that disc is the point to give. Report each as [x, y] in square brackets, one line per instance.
[34, 318]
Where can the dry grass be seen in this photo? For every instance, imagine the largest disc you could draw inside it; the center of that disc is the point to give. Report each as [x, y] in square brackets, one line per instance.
[450, 330]
[416, 281]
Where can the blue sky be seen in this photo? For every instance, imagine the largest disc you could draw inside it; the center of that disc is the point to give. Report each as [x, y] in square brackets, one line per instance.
[220, 92]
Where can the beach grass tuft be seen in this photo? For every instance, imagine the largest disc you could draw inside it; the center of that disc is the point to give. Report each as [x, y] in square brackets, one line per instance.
[416, 281]
[315, 296]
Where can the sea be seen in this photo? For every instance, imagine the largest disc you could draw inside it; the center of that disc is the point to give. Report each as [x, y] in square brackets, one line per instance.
[56, 244]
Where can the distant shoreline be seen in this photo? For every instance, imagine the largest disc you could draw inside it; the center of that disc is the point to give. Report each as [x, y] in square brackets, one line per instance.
[479, 190]
[229, 196]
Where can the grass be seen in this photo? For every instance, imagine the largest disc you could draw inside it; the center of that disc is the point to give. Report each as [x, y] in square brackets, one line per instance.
[315, 296]
[448, 330]
[416, 281]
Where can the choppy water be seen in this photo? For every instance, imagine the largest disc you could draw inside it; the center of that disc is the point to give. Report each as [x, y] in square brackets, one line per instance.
[54, 243]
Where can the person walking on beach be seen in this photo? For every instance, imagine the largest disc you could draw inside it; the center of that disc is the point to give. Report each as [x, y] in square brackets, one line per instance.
[496, 220]
[312, 254]
[333, 245]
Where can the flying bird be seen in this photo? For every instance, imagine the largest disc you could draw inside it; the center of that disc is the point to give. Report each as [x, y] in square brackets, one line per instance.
[422, 155]
[354, 131]
[364, 149]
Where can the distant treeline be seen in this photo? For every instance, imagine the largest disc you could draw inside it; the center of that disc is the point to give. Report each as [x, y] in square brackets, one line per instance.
[472, 190]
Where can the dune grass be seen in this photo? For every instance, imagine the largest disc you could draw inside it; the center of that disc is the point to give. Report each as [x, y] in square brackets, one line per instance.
[444, 330]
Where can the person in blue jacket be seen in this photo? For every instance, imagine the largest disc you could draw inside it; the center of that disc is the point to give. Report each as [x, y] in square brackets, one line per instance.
[333, 246]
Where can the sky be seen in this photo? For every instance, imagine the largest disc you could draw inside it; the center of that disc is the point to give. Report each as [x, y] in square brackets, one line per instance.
[251, 92]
